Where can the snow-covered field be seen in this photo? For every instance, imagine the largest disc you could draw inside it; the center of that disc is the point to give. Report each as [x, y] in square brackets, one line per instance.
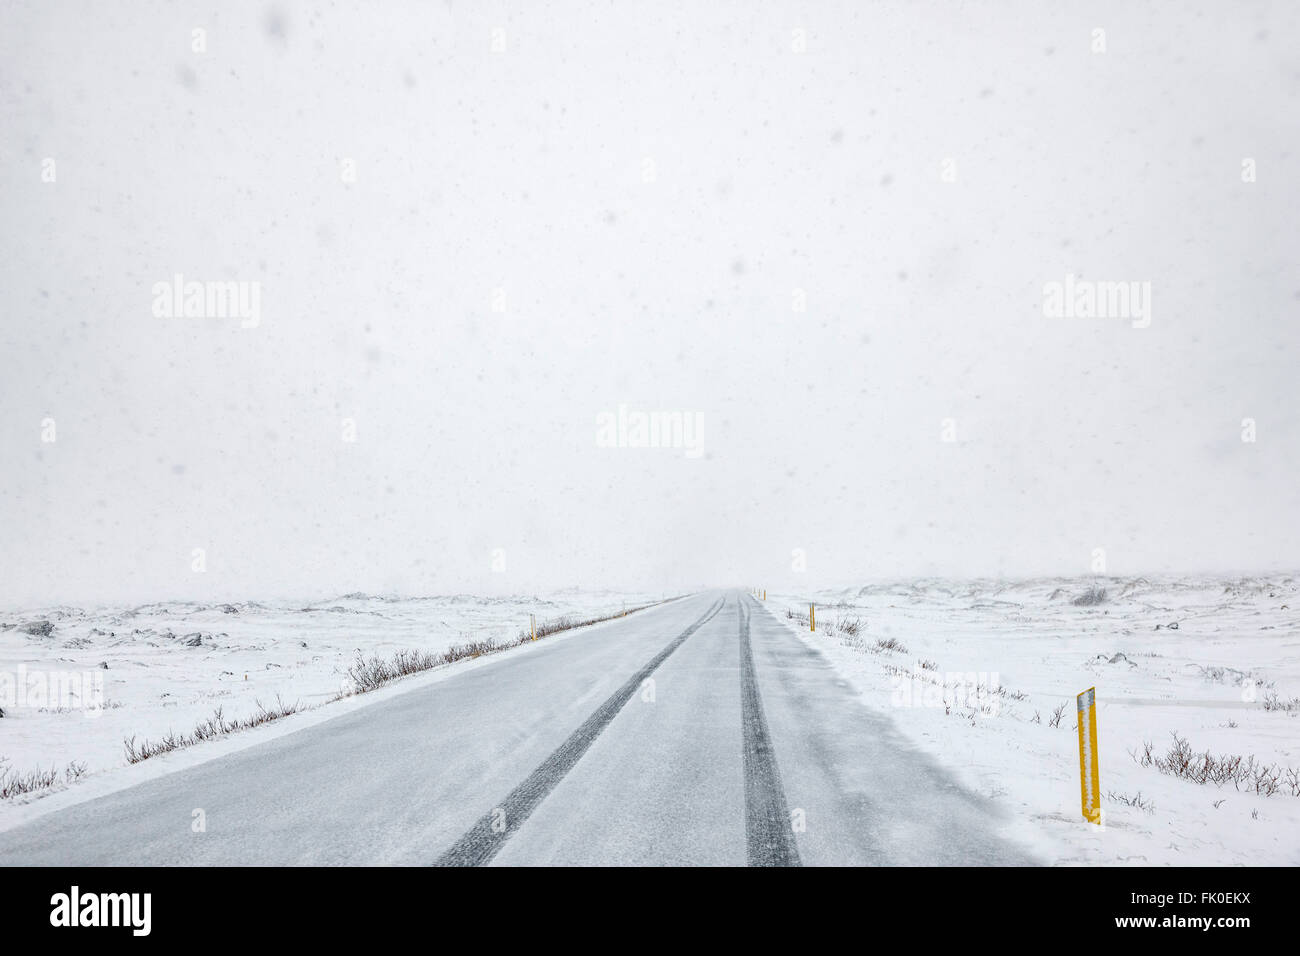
[1216, 661]
[75, 683]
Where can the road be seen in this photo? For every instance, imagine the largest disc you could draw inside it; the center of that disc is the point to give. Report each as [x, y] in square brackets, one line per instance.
[698, 732]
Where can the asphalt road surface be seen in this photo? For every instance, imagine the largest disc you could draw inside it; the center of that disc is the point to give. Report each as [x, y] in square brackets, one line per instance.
[698, 732]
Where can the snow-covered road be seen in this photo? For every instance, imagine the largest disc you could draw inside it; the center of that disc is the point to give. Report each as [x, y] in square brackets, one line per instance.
[701, 731]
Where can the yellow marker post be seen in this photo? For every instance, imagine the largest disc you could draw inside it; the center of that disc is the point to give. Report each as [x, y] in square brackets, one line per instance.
[812, 618]
[764, 594]
[532, 625]
[1089, 778]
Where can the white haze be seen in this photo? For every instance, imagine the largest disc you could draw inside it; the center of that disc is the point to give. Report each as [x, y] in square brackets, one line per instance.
[524, 170]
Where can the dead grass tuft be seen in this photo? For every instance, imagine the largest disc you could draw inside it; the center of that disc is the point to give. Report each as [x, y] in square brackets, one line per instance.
[1244, 773]
[214, 726]
[16, 784]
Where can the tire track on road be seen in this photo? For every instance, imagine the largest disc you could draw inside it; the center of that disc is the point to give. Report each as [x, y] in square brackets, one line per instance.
[769, 833]
[486, 838]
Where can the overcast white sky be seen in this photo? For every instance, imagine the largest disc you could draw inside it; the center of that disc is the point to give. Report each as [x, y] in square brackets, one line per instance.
[526, 170]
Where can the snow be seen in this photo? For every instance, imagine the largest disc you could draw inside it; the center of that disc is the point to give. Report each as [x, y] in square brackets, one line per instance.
[665, 780]
[1236, 642]
[170, 665]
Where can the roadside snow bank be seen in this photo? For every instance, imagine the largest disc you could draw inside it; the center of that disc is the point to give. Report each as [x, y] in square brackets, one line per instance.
[974, 672]
[75, 683]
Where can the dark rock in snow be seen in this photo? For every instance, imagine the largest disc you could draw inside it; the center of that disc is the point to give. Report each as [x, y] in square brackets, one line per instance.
[1090, 598]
